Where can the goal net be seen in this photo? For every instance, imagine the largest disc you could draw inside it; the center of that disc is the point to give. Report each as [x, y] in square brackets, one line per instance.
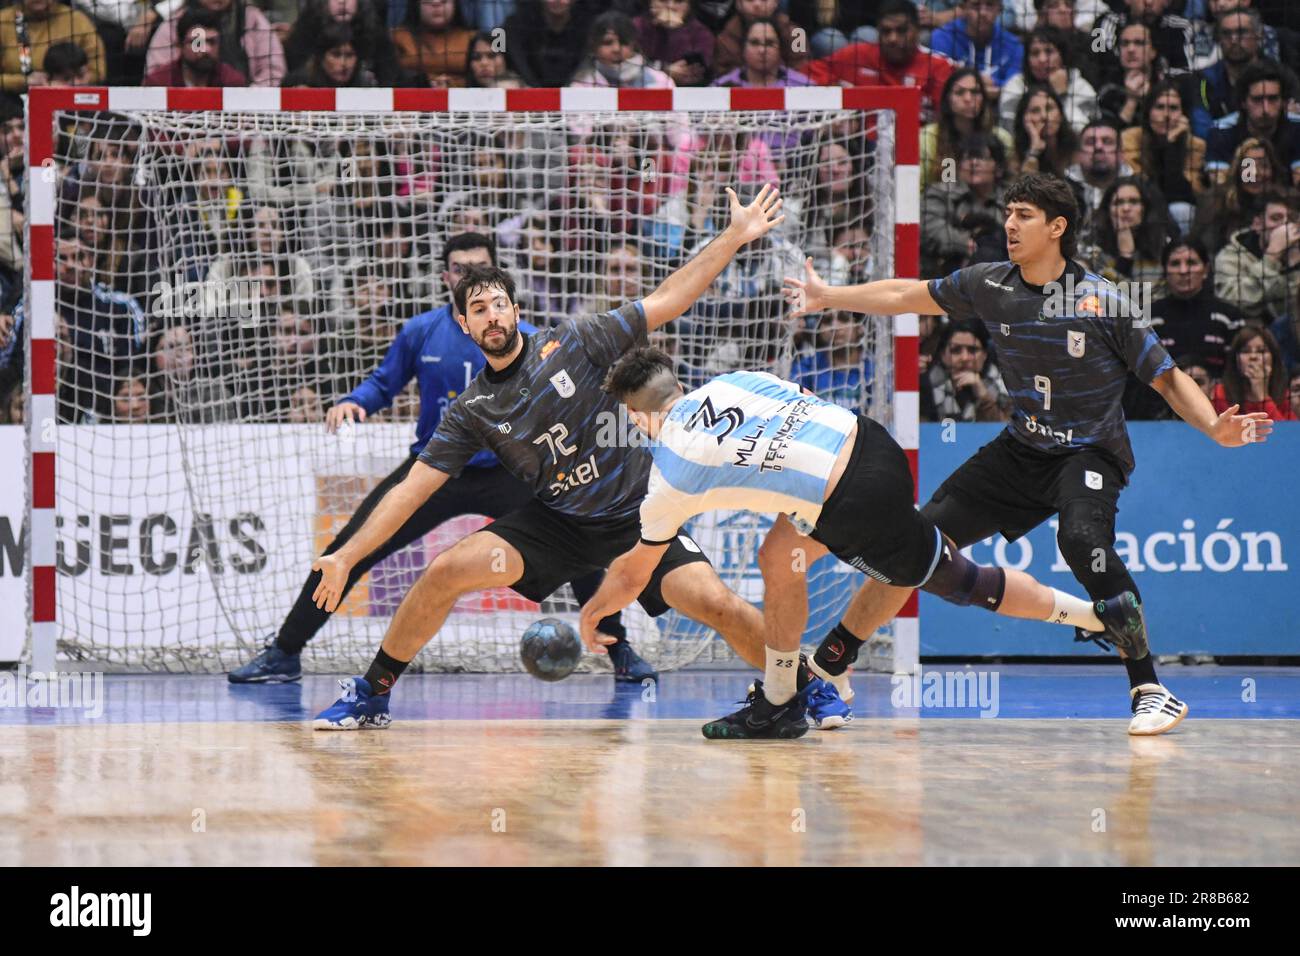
[221, 276]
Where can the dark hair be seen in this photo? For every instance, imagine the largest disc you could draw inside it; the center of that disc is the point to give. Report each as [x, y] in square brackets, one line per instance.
[1188, 359]
[63, 59]
[954, 326]
[619, 23]
[949, 135]
[333, 35]
[11, 108]
[1186, 242]
[981, 145]
[892, 8]
[1109, 124]
[749, 25]
[482, 36]
[634, 370]
[1152, 233]
[1056, 38]
[197, 17]
[1053, 195]
[464, 242]
[1234, 385]
[412, 19]
[477, 278]
[1060, 150]
[1280, 196]
[1262, 72]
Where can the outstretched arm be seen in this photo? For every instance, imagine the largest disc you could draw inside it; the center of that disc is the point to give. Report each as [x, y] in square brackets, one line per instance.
[882, 297]
[679, 291]
[1229, 429]
[626, 578]
[389, 515]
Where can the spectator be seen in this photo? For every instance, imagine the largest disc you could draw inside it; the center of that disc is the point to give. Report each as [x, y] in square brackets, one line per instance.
[248, 42]
[850, 261]
[838, 370]
[374, 47]
[185, 393]
[622, 279]
[336, 62]
[548, 39]
[613, 58]
[976, 39]
[1165, 151]
[1068, 16]
[946, 240]
[1294, 391]
[123, 27]
[1276, 43]
[1191, 318]
[305, 407]
[198, 62]
[1233, 204]
[761, 56]
[1172, 35]
[544, 291]
[131, 402]
[13, 403]
[13, 185]
[1098, 164]
[964, 385]
[1045, 143]
[1128, 234]
[261, 239]
[832, 26]
[965, 110]
[1259, 269]
[671, 38]
[44, 23]
[487, 67]
[729, 53]
[205, 208]
[1254, 378]
[1194, 366]
[897, 59]
[66, 64]
[434, 42]
[1049, 61]
[840, 199]
[1240, 36]
[104, 329]
[1130, 76]
[1261, 93]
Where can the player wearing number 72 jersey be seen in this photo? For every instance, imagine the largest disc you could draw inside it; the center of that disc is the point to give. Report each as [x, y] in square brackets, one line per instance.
[1066, 342]
[750, 441]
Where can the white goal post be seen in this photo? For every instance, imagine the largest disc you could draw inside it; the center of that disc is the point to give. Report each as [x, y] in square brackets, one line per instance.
[207, 269]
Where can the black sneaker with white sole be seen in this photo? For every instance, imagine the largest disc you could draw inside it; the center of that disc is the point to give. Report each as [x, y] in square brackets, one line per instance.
[760, 719]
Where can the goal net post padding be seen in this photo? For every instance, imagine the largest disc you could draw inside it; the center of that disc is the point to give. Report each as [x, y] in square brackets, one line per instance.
[208, 269]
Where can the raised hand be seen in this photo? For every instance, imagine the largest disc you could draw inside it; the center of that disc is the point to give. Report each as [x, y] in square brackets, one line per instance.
[759, 217]
[343, 412]
[807, 295]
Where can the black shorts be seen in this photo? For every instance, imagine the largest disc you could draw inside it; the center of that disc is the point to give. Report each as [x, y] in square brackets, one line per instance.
[558, 548]
[1011, 488]
[870, 520]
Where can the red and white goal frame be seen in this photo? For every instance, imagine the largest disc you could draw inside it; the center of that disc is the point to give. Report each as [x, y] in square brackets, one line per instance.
[44, 102]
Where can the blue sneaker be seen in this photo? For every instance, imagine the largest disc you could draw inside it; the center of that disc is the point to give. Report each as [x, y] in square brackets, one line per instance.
[825, 706]
[357, 708]
[271, 666]
[628, 666]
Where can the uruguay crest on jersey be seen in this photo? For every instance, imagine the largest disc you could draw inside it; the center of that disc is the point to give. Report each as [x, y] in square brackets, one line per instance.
[563, 384]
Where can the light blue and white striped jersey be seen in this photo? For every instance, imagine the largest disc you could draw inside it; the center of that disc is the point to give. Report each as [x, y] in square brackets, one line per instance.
[745, 441]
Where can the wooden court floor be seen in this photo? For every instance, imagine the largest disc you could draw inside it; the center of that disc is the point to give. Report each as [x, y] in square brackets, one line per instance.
[535, 792]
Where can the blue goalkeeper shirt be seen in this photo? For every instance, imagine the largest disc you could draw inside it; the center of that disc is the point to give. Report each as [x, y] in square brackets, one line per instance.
[431, 348]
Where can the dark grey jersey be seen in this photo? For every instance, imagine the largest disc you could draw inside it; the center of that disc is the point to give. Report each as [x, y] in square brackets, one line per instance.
[1064, 351]
[547, 420]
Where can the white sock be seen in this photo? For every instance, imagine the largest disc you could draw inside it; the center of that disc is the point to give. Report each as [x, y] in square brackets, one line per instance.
[779, 679]
[842, 682]
[1076, 612]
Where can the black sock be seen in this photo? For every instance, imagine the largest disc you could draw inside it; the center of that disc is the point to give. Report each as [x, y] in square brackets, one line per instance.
[838, 650]
[384, 672]
[803, 675]
[1141, 672]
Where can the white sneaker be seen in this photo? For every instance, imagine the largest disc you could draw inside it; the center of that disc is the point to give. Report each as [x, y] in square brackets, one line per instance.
[1155, 711]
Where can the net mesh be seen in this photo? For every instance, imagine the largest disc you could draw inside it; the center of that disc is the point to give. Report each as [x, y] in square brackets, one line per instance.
[222, 277]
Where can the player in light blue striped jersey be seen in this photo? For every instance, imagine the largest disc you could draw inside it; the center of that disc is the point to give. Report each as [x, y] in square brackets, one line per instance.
[841, 485]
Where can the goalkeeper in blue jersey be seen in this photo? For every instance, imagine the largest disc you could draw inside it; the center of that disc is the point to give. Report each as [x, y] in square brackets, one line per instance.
[841, 485]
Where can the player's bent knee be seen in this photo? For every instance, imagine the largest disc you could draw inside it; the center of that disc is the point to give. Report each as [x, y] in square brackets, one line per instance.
[1086, 530]
[481, 560]
[959, 580]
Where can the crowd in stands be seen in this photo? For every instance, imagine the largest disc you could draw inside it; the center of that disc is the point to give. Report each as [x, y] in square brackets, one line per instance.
[1176, 121]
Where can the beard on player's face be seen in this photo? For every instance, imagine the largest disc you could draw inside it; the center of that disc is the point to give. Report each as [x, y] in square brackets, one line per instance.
[499, 336]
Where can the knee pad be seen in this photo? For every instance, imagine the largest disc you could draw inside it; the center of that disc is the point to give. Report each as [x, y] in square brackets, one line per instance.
[958, 580]
[1086, 528]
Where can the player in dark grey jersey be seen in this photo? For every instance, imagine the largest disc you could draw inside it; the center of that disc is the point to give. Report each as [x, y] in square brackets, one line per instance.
[1066, 342]
[539, 408]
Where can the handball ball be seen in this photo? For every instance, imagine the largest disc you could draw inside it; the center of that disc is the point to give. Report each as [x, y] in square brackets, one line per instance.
[550, 649]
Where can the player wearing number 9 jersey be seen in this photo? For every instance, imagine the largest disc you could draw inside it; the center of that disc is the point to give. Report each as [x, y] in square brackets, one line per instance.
[1066, 342]
[432, 349]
